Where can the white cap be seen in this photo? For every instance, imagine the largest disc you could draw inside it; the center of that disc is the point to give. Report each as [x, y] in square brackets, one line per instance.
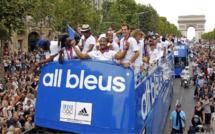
[102, 36]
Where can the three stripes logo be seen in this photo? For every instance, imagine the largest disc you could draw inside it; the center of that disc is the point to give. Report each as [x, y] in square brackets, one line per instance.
[83, 112]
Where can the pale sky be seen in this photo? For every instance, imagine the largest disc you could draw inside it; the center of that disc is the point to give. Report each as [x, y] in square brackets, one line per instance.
[171, 9]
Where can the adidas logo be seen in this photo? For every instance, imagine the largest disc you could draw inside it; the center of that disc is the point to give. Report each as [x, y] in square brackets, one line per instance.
[83, 112]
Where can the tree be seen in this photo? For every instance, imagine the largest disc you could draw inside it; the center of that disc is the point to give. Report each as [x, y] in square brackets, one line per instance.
[59, 13]
[13, 13]
[118, 12]
[164, 27]
[148, 18]
[4, 34]
[209, 35]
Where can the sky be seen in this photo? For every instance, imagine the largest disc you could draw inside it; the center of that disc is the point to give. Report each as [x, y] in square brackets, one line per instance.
[171, 9]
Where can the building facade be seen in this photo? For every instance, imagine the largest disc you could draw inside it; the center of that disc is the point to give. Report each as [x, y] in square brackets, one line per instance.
[27, 40]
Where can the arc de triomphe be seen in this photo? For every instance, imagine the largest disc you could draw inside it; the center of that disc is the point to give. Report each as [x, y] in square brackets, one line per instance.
[196, 21]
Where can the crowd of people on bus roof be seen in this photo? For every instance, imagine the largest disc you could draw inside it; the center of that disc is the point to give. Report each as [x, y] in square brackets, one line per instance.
[131, 49]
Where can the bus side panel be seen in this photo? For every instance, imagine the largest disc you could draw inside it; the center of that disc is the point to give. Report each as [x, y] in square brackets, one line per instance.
[86, 97]
[161, 108]
[156, 118]
[154, 98]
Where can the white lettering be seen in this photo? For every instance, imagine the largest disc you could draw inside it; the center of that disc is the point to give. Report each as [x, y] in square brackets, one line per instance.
[108, 85]
[81, 79]
[143, 106]
[59, 78]
[152, 90]
[71, 77]
[50, 77]
[90, 82]
[148, 101]
[118, 84]
[55, 77]
[156, 86]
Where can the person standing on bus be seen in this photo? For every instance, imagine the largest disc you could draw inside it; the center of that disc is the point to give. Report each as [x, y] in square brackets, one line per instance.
[154, 55]
[138, 35]
[177, 118]
[128, 59]
[103, 52]
[87, 41]
[112, 44]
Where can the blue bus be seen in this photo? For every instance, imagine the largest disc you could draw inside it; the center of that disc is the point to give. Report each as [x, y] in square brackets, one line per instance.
[180, 58]
[102, 97]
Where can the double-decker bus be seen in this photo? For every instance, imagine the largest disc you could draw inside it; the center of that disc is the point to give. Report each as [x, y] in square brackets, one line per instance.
[85, 96]
[180, 58]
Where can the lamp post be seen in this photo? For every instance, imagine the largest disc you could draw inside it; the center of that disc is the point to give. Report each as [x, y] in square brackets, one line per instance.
[139, 15]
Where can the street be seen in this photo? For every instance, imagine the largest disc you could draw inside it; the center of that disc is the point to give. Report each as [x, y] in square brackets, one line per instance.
[187, 102]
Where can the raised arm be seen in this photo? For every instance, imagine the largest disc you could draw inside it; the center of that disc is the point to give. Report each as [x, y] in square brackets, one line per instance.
[45, 60]
[80, 54]
[121, 54]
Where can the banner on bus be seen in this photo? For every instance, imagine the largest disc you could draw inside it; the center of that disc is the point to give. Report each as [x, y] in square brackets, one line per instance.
[78, 94]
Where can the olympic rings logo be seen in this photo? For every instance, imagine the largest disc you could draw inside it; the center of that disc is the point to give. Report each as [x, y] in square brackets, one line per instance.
[67, 109]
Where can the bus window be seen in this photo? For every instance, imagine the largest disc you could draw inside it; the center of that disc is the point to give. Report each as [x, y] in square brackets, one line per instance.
[180, 62]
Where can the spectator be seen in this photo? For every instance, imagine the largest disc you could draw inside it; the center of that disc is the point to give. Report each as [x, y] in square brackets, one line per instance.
[207, 111]
[18, 92]
[199, 111]
[178, 118]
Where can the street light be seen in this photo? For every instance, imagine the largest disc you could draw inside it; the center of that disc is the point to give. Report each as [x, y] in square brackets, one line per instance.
[139, 14]
[144, 18]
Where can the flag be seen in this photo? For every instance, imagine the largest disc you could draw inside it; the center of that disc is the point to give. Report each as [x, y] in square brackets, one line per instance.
[41, 42]
[71, 32]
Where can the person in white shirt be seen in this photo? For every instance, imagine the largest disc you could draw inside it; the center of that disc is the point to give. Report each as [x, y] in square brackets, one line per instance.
[111, 43]
[87, 41]
[67, 52]
[164, 43]
[103, 52]
[56, 53]
[115, 38]
[185, 75]
[138, 35]
[129, 50]
[153, 52]
[160, 47]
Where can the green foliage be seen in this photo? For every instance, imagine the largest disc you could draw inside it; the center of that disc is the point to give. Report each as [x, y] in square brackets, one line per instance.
[209, 35]
[144, 17]
[118, 12]
[58, 13]
[148, 18]
[4, 34]
[164, 27]
[13, 13]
